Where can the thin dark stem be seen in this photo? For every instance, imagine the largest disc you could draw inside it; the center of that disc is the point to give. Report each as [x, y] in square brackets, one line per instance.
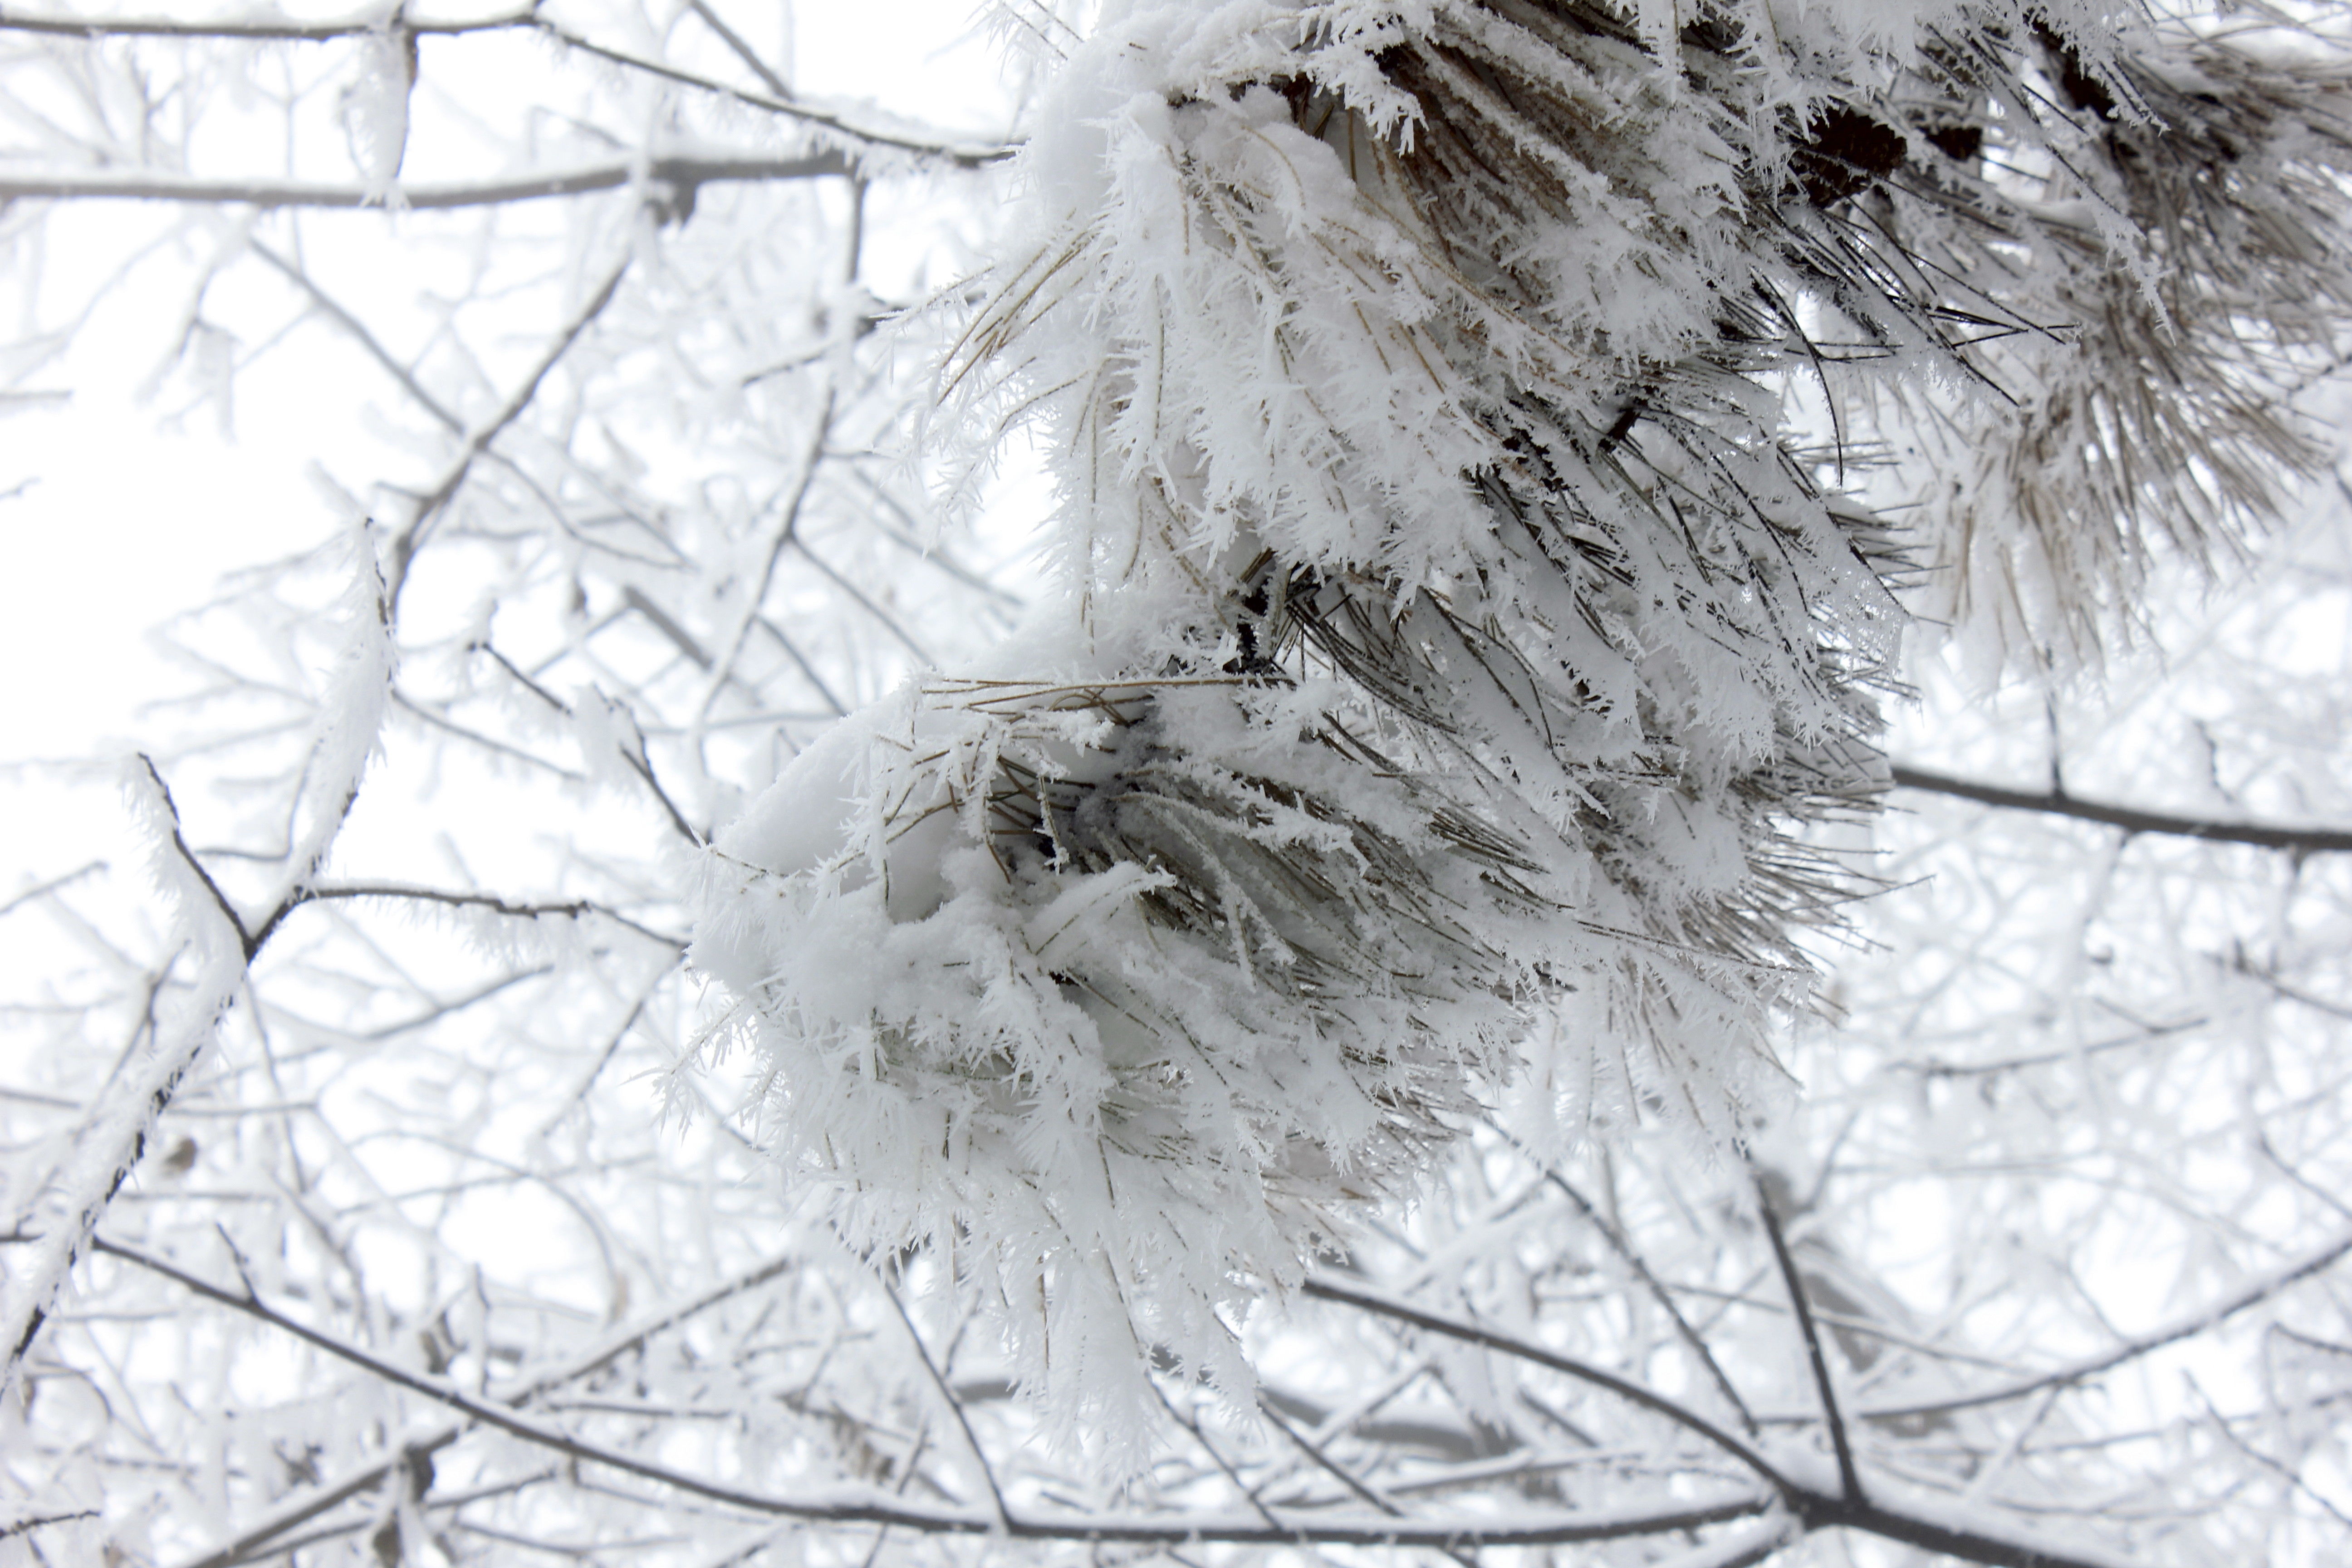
[1632, 1260]
[2055, 802]
[741, 50]
[250, 940]
[1849, 1481]
[572, 909]
[39, 1521]
[775, 102]
[2182, 1328]
[964, 157]
[1812, 1510]
[333, 311]
[955, 1405]
[1472, 1333]
[405, 545]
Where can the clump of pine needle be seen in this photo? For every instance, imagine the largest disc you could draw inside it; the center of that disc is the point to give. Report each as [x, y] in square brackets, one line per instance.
[1457, 630]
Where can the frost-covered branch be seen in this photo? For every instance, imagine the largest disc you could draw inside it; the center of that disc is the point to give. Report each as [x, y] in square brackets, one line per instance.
[2186, 1326]
[1323, 1287]
[676, 177]
[861, 1505]
[492, 903]
[840, 127]
[428, 507]
[262, 28]
[523, 1391]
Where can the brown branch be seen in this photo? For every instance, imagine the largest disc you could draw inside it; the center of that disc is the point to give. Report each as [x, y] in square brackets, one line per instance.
[680, 174]
[2057, 802]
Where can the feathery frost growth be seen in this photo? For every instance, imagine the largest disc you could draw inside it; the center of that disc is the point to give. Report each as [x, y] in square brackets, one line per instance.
[1454, 627]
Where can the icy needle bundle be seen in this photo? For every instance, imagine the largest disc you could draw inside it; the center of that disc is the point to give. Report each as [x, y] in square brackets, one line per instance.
[1451, 626]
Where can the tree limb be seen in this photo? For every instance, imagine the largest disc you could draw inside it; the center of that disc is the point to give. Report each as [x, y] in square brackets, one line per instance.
[270, 30]
[1816, 1509]
[2131, 1349]
[405, 544]
[2057, 802]
[1473, 1333]
[680, 174]
[260, 29]
[1849, 1481]
[861, 1505]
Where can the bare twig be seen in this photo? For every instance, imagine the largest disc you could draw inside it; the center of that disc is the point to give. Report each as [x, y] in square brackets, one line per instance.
[1473, 1333]
[42, 890]
[405, 544]
[972, 156]
[1814, 1508]
[248, 940]
[955, 1405]
[572, 909]
[41, 1521]
[741, 50]
[777, 100]
[1632, 1260]
[1849, 1481]
[305, 1509]
[2056, 803]
[2179, 1329]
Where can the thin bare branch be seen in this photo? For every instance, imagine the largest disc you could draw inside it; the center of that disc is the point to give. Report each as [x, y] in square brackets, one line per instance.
[1683, 1331]
[1849, 1481]
[43, 889]
[954, 1405]
[2056, 803]
[522, 1392]
[971, 155]
[405, 544]
[740, 51]
[570, 908]
[2181, 1328]
[1324, 1288]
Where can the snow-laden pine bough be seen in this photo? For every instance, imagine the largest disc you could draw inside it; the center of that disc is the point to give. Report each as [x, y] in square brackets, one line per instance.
[1453, 625]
